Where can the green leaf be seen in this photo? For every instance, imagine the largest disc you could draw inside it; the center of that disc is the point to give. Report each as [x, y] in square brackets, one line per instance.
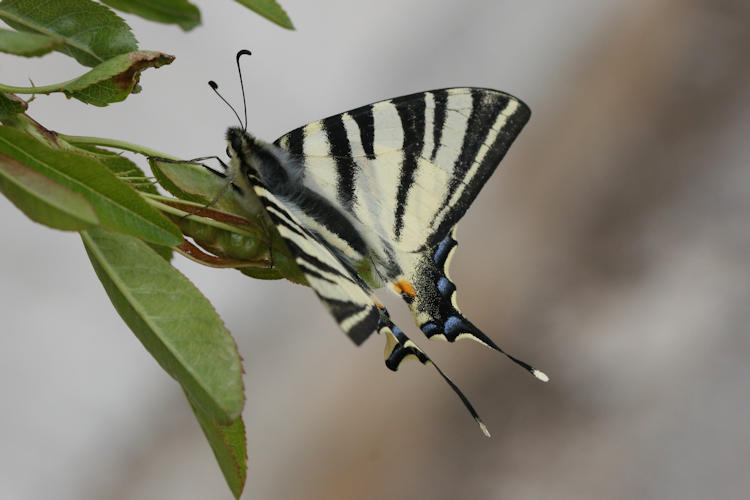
[114, 79]
[122, 167]
[92, 32]
[117, 205]
[179, 12]
[269, 9]
[244, 243]
[27, 44]
[229, 445]
[42, 199]
[256, 251]
[283, 263]
[253, 242]
[172, 319]
[11, 105]
[195, 183]
[111, 81]
[269, 274]
[165, 253]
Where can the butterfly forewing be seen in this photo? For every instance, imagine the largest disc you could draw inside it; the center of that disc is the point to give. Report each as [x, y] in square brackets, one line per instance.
[408, 168]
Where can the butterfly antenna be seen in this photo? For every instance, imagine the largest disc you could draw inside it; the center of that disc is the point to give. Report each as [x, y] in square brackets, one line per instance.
[215, 87]
[243, 52]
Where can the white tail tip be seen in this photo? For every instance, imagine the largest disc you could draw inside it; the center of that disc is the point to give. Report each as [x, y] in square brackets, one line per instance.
[540, 375]
[484, 428]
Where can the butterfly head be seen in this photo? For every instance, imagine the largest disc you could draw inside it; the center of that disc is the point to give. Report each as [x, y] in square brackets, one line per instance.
[268, 163]
[251, 158]
[238, 141]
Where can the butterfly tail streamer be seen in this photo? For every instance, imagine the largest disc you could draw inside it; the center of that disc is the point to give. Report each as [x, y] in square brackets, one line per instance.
[468, 330]
[399, 347]
[432, 299]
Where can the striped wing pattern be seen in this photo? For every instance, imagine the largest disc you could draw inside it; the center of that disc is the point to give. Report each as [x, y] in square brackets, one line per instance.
[408, 168]
[346, 296]
[384, 185]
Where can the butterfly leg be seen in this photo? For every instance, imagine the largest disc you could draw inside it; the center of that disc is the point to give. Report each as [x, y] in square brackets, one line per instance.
[192, 161]
[398, 347]
[228, 175]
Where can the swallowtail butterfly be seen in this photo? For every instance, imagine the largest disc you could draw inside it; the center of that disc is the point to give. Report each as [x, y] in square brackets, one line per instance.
[371, 197]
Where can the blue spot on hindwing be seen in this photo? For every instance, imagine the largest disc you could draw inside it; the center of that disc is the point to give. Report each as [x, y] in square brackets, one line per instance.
[445, 287]
[397, 332]
[454, 325]
[430, 329]
[442, 250]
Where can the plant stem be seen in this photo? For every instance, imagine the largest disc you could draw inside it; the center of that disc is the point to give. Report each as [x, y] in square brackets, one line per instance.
[114, 143]
[154, 201]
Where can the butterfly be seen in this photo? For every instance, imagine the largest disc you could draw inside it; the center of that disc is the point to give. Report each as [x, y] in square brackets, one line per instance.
[371, 197]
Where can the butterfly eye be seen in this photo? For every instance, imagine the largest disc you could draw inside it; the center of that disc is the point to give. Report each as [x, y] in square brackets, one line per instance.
[237, 143]
[229, 152]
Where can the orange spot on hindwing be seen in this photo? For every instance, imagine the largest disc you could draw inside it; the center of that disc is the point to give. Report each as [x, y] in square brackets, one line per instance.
[405, 289]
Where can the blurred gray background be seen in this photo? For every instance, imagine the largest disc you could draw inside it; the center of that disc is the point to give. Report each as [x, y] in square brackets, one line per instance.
[611, 249]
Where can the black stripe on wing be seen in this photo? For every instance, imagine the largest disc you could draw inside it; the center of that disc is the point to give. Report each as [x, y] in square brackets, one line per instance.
[344, 310]
[294, 142]
[346, 168]
[327, 216]
[480, 122]
[366, 124]
[487, 105]
[411, 111]
[438, 122]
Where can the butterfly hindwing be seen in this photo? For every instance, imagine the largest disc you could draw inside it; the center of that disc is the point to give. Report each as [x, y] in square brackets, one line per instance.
[347, 297]
[341, 290]
[431, 297]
